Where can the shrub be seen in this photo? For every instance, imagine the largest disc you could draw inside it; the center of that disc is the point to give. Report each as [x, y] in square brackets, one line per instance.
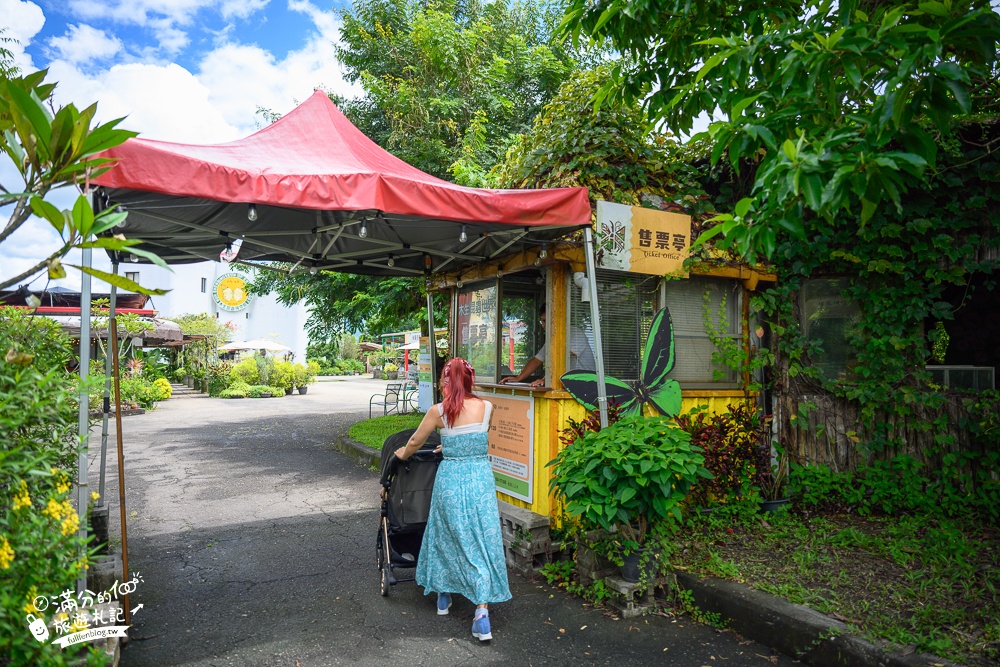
[232, 393]
[312, 370]
[163, 385]
[390, 368]
[731, 443]
[179, 374]
[40, 548]
[628, 476]
[218, 376]
[301, 374]
[283, 375]
[245, 371]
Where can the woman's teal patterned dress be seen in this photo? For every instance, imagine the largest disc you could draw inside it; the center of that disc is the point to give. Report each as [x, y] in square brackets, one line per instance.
[462, 551]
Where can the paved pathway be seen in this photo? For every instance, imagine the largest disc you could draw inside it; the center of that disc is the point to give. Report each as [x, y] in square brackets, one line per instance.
[255, 539]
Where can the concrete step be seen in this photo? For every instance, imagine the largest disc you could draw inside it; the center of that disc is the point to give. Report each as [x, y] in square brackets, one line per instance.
[184, 391]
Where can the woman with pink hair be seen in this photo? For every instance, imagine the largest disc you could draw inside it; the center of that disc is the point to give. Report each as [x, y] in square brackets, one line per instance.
[462, 551]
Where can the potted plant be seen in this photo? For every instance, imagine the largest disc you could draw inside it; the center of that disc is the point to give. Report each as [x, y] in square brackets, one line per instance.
[772, 474]
[390, 371]
[300, 377]
[628, 479]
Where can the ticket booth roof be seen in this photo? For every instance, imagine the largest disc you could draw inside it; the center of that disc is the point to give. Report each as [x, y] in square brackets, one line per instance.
[323, 196]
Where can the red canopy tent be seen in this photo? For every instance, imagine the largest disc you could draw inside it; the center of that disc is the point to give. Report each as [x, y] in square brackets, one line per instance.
[311, 189]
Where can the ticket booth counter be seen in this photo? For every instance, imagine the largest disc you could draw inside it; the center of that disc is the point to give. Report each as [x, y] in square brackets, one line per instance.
[494, 324]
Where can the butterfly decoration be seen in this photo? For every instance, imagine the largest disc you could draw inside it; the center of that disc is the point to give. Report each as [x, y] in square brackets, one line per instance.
[615, 232]
[653, 387]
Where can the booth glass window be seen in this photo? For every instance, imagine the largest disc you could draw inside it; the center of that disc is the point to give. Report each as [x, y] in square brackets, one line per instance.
[521, 334]
[477, 328]
[627, 303]
[828, 321]
[691, 301]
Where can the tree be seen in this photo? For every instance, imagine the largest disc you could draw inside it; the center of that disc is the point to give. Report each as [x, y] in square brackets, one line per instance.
[54, 150]
[447, 83]
[344, 303]
[840, 107]
[612, 150]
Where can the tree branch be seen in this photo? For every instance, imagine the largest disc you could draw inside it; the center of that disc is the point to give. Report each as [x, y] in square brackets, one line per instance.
[36, 268]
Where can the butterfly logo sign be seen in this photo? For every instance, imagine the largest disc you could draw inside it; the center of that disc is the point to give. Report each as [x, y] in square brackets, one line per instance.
[653, 385]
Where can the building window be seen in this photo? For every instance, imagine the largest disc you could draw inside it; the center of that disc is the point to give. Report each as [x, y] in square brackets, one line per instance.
[829, 319]
[204, 285]
[132, 275]
[691, 302]
[477, 329]
[628, 302]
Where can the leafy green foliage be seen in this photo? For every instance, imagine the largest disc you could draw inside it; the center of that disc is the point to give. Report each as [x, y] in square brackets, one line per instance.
[50, 149]
[612, 150]
[634, 473]
[903, 484]
[41, 552]
[836, 104]
[731, 443]
[914, 579]
[449, 82]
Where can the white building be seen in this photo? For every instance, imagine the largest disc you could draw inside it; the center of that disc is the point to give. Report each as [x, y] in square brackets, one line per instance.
[219, 289]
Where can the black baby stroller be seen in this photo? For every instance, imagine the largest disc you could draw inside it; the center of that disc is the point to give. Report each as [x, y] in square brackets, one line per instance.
[406, 504]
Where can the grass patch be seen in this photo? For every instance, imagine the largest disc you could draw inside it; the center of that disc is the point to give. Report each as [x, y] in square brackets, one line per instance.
[924, 581]
[373, 432]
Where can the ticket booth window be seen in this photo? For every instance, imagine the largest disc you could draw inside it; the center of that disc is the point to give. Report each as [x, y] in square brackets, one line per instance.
[627, 303]
[691, 300]
[477, 328]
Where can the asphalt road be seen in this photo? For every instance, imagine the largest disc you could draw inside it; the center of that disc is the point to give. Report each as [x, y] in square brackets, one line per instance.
[255, 540]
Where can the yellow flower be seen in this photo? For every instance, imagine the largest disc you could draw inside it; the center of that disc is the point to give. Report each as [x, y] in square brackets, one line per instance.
[29, 607]
[94, 495]
[54, 509]
[70, 524]
[21, 497]
[62, 486]
[6, 554]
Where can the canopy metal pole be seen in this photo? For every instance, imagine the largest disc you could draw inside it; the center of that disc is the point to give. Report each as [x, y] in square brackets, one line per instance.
[113, 333]
[433, 346]
[82, 494]
[107, 388]
[595, 321]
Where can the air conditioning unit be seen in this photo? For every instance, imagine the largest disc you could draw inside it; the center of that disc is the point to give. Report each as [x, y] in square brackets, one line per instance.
[964, 377]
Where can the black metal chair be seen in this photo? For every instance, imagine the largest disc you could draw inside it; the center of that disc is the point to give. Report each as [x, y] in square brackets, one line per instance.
[389, 400]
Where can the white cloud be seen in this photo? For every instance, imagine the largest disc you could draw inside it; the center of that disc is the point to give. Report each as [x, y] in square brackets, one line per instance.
[241, 8]
[82, 43]
[23, 21]
[215, 103]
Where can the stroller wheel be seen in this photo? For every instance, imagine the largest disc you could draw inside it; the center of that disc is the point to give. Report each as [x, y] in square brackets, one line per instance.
[386, 575]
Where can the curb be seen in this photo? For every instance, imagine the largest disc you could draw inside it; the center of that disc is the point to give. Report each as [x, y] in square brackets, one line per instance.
[359, 452]
[794, 629]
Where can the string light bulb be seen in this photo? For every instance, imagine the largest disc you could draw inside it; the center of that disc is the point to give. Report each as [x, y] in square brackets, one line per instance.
[463, 237]
[252, 213]
[364, 230]
[390, 262]
[543, 253]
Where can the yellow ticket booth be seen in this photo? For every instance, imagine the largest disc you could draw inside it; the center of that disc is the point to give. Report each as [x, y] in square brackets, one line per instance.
[638, 269]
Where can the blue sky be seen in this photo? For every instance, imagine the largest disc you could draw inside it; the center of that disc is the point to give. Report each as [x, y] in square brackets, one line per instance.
[191, 71]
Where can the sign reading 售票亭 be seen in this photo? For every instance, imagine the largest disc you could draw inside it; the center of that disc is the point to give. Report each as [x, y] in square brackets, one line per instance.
[643, 240]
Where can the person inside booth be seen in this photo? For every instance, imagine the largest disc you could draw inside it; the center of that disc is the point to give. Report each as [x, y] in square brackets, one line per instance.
[581, 356]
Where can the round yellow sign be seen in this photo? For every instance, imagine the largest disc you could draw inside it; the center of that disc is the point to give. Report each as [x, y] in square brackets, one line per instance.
[231, 292]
